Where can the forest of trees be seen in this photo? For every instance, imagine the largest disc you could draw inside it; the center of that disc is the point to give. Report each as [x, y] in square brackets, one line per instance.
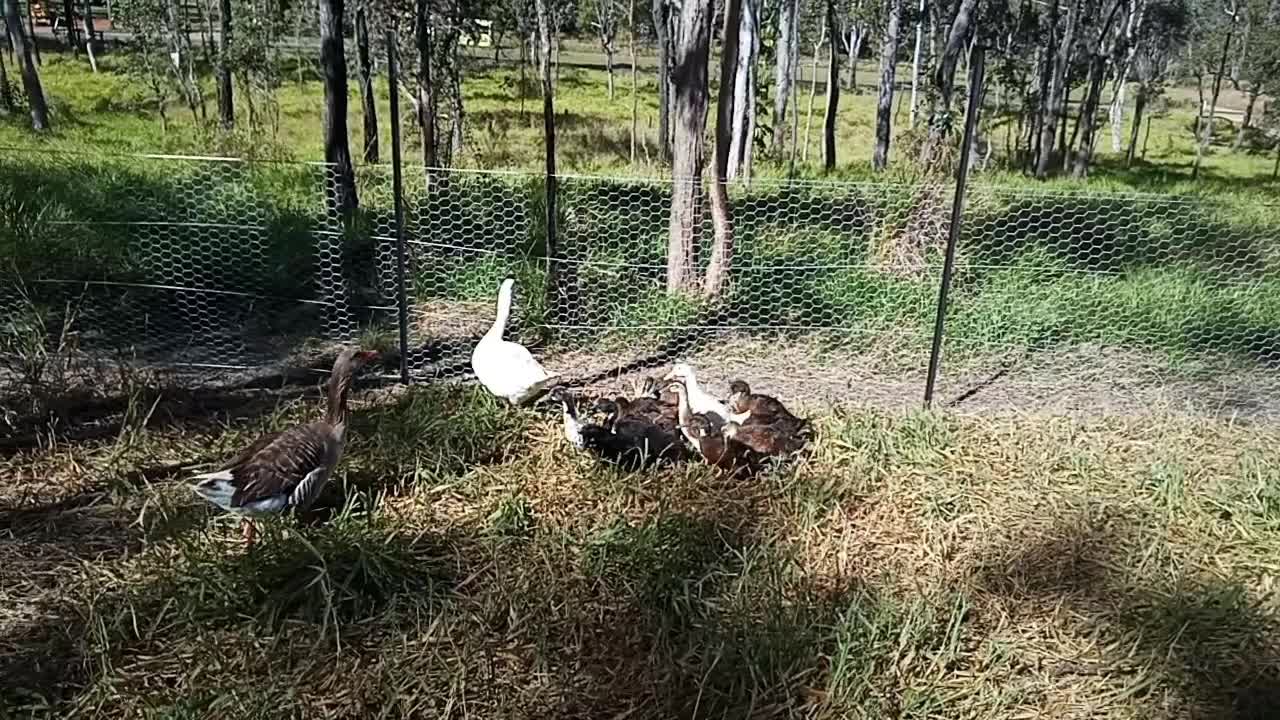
[1064, 76]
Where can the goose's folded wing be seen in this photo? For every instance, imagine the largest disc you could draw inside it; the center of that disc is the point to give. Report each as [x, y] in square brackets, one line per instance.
[254, 448]
[517, 359]
[280, 465]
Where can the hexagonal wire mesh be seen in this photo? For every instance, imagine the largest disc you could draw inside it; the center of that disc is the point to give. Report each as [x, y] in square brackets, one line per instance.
[1093, 300]
[831, 293]
[165, 262]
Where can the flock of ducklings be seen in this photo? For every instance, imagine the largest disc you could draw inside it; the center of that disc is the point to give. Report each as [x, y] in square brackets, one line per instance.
[288, 469]
[674, 423]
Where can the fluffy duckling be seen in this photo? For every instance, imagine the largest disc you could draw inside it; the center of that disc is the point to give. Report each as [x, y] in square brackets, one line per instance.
[699, 400]
[779, 438]
[748, 407]
[631, 443]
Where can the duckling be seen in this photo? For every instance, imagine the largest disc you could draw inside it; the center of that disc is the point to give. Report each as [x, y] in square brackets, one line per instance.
[699, 401]
[748, 407]
[719, 449]
[779, 438]
[631, 443]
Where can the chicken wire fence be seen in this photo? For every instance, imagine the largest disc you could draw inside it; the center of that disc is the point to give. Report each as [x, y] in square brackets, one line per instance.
[213, 266]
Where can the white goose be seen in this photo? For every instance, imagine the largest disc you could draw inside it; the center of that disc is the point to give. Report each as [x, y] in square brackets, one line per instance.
[699, 402]
[507, 369]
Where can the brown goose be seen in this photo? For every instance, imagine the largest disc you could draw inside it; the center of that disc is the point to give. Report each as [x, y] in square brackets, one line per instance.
[286, 469]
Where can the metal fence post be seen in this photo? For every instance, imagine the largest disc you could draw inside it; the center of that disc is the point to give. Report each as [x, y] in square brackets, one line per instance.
[976, 71]
[549, 143]
[397, 190]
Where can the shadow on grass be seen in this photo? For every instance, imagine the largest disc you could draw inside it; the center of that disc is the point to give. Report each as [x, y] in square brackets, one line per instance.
[325, 582]
[1204, 635]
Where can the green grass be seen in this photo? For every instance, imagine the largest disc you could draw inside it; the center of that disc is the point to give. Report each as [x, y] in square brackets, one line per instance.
[913, 566]
[109, 111]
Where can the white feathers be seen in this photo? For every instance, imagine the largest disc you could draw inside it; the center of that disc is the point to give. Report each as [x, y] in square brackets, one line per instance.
[699, 402]
[217, 488]
[507, 369]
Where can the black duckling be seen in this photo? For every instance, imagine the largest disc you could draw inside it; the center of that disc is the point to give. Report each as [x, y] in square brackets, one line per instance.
[631, 443]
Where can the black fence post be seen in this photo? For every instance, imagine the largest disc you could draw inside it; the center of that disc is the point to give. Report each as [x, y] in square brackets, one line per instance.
[549, 141]
[976, 71]
[397, 190]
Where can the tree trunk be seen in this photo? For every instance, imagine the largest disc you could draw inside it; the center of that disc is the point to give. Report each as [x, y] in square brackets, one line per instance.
[689, 82]
[456, 116]
[1206, 135]
[753, 88]
[30, 77]
[857, 35]
[426, 89]
[31, 35]
[1139, 104]
[788, 29]
[813, 88]
[635, 98]
[915, 66]
[1247, 121]
[69, 18]
[944, 77]
[1133, 25]
[1275, 169]
[226, 103]
[1115, 114]
[88, 35]
[661, 29]
[608, 65]
[741, 84]
[1089, 117]
[1146, 137]
[1057, 92]
[833, 92]
[6, 97]
[726, 128]
[888, 68]
[333, 65]
[368, 102]
[549, 141]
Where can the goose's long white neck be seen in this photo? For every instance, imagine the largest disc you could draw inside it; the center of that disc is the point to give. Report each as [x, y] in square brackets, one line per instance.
[504, 312]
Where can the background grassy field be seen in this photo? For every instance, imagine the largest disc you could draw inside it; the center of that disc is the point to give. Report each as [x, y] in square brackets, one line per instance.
[112, 111]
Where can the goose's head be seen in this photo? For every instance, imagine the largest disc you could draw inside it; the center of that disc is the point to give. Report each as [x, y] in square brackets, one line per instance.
[349, 362]
[681, 372]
